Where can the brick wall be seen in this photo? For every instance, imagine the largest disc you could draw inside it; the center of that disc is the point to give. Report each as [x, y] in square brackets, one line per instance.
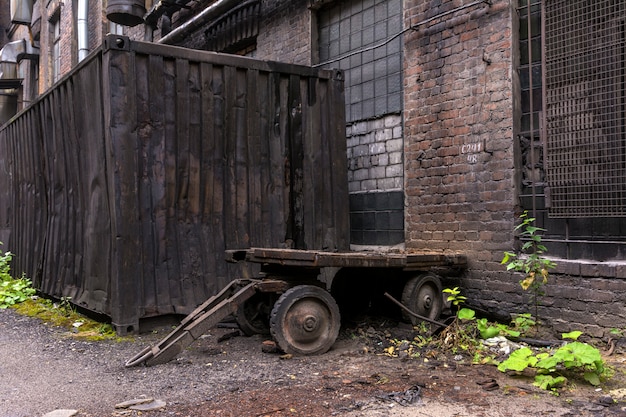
[459, 131]
[460, 117]
[285, 32]
[376, 180]
[67, 42]
[585, 296]
[459, 178]
[375, 154]
[97, 28]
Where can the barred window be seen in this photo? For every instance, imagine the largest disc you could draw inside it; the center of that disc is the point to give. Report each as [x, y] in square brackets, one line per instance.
[585, 107]
[572, 137]
[373, 84]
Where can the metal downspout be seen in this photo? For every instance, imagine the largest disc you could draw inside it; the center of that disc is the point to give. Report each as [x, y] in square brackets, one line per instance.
[198, 20]
[83, 29]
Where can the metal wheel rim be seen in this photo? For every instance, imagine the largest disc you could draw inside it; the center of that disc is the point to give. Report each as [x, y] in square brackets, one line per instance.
[305, 320]
[426, 299]
[423, 295]
[253, 316]
[307, 324]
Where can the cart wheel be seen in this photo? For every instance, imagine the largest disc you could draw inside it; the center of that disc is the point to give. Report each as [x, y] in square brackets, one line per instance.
[424, 296]
[253, 316]
[305, 320]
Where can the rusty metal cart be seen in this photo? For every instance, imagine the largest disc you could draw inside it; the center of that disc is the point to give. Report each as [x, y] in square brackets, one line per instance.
[288, 299]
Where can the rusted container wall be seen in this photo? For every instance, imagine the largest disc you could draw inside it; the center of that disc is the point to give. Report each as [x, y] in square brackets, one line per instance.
[57, 196]
[136, 172]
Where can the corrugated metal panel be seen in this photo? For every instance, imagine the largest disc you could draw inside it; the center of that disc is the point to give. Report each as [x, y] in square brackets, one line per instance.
[142, 166]
[234, 30]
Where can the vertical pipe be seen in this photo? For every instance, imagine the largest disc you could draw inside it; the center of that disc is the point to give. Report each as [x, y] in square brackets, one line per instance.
[83, 29]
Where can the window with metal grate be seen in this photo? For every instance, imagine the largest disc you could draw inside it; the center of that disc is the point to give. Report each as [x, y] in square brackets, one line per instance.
[572, 137]
[585, 107]
[362, 39]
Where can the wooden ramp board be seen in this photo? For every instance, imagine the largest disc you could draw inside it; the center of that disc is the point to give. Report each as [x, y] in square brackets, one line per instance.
[320, 259]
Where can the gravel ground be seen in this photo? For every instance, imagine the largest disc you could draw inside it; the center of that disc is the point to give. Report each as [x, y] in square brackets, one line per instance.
[44, 369]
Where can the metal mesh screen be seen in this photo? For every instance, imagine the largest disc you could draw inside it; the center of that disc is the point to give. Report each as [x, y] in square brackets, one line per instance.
[373, 85]
[585, 108]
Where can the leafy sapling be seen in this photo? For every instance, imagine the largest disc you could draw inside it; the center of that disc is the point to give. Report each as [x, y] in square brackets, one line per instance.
[533, 263]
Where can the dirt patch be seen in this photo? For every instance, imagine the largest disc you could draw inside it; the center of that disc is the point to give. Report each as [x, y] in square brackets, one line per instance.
[45, 369]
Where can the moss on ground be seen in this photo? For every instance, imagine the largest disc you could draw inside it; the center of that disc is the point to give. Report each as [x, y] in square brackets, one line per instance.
[63, 314]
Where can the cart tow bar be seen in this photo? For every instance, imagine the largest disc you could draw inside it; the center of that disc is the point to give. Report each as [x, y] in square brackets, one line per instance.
[414, 314]
[203, 318]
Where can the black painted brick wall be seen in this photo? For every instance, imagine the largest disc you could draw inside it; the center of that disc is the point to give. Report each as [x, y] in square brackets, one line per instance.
[377, 218]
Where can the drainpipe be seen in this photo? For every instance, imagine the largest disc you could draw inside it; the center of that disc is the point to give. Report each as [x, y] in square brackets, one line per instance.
[83, 29]
[213, 10]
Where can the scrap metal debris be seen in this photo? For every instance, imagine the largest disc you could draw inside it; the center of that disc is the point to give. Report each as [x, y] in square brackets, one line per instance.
[409, 397]
[141, 404]
[489, 384]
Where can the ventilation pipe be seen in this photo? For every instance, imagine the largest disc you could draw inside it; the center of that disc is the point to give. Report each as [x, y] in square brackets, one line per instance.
[213, 10]
[126, 12]
[35, 24]
[10, 55]
[21, 11]
[83, 29]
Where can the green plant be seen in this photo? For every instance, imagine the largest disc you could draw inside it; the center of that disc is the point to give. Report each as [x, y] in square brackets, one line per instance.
[533, 264]
[485, 329]
[65, 305]
[523, 322]
[488, 330]
[580, 359]
[466, 314]
[12, 291]
[454, 296]
[460, 335]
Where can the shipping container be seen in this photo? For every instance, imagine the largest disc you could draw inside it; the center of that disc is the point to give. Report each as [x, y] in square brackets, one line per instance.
[126, 182]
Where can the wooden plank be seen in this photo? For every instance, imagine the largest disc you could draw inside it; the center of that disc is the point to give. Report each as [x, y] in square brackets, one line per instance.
[171, 184]
[332, 105]
[72, 222]
[255, 162]
[183, 226]
[296, 222]
[217, 135]
[278, 162]
[95, 270]
[240, 157]
[267, 195]
[123, 147]
[158, 187]
[210, 222]
[234, 230]
[145, 177]
[315, 172]
[197, 250]
[312, 258]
